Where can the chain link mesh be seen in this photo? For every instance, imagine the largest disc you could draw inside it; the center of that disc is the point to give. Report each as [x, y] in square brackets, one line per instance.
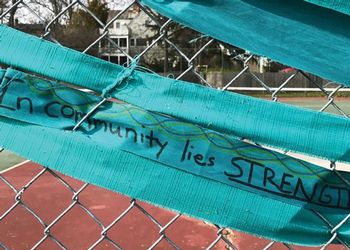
[50, 22]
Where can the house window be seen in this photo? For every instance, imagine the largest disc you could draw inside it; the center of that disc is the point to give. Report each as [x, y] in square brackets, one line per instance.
[122, 60]
[106, 58]
[123, 42]
[117, 25]
[115, 40]
[113, 59]
[133, 42]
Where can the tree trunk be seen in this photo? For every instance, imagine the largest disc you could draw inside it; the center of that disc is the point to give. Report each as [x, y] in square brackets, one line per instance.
[12, 20]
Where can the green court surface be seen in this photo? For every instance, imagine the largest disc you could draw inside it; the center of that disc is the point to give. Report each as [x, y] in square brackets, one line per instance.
[7, 159]
[317, 103]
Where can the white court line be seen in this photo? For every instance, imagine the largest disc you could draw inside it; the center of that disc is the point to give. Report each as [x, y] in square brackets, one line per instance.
[15, 166]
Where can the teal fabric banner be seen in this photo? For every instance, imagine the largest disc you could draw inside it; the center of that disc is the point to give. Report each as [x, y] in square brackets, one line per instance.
[174, 143]
[337, 5]
[281, 126]
[294, 33]
[193, 162]
[109, 151]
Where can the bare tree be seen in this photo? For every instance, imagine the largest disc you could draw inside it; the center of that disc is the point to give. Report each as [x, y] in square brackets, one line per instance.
[82, 29]
[12, 18]
[54, 7]
[2, 8]
[4, 4]
[48, 9]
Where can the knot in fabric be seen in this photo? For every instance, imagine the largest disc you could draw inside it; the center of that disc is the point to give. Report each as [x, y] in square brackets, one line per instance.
[122, 77]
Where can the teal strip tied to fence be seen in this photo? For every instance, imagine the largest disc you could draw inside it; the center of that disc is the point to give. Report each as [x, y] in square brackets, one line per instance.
[337, 5]
[171, 163]
[36, 122]
[293, 32]
[274, 124]
[185, 146]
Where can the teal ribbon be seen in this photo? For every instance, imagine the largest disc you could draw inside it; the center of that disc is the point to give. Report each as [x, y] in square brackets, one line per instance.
[298, 26]
[122, 77]
[36, 131]
[278, 125]
[342, 6]
[292, 32]
[174, 143]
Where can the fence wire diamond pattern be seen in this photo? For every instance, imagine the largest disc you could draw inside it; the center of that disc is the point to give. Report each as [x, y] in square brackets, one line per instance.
[35, 11]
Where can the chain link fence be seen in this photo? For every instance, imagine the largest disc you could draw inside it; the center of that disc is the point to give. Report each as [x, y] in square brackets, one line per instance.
[50, 20]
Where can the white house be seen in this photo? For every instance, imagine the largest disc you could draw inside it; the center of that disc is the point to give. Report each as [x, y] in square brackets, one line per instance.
[132, 32]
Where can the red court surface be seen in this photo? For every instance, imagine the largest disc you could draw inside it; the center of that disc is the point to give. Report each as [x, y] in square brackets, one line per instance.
[48, 197]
